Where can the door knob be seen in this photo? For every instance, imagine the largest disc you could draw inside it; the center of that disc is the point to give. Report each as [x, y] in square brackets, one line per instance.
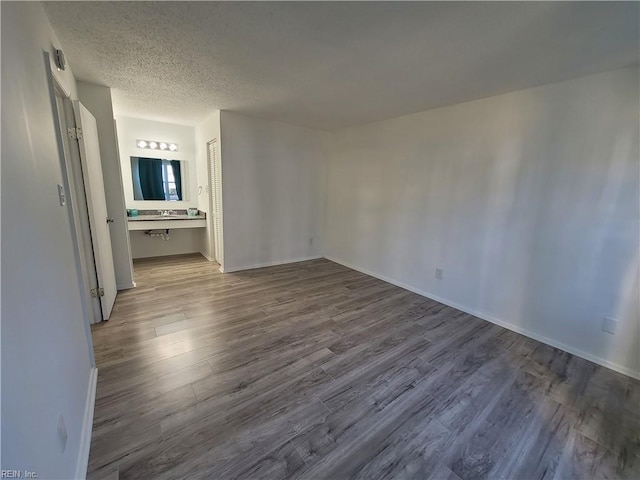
[110, 220]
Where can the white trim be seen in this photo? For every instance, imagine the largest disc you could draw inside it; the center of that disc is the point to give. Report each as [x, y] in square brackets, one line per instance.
[207, 257]
[87, 426]
[214, 172]
[126, 286]
[220, 268]
[270, 264]
[510, 326]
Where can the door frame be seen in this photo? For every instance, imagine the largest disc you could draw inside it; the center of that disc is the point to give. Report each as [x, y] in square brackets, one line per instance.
[76, 201]
[216, 245]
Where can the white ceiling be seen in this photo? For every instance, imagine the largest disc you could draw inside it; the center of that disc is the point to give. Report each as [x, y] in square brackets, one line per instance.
[331, 65]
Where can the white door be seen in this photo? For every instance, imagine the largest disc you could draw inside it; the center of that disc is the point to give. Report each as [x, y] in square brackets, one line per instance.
[78, 206]
[97, 206]
[215, 199]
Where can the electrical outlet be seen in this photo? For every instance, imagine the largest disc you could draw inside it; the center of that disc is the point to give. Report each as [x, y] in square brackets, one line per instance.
[610, 325]
[62, 433]
[310, 241]
[439, 273]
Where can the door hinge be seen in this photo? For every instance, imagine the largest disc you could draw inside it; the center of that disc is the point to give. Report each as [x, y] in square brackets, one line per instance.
[75, 133]
[97, 292]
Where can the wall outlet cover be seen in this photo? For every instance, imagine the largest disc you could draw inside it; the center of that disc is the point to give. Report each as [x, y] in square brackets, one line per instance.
[439, 273]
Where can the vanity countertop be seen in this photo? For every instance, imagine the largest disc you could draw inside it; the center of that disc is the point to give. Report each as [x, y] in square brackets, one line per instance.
[156, 217]
[154, 220]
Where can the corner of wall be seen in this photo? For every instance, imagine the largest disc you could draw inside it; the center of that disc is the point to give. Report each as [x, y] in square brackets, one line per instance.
[87, 425]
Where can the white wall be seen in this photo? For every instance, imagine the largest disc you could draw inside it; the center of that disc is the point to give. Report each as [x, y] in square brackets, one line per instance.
[131, 129]
[97, 99]
[528, 201]
[181, 241]
[46, 355]
[273, 179]
[205, 132]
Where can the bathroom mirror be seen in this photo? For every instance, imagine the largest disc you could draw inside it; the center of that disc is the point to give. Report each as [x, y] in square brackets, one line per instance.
[157, 179]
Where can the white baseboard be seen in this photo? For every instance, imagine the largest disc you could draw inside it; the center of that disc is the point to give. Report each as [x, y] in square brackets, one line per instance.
[220, 269]
[207, 257]
[126, 286]
[510, 326]
[269, 264]
[87, 426]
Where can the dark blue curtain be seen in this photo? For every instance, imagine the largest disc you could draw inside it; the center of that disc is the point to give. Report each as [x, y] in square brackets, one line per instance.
[151, 178]
[175, 166]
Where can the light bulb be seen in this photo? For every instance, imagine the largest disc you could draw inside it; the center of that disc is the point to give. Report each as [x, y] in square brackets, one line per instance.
[173, 147]
[153, 145]
[163, 146]
[142, 144]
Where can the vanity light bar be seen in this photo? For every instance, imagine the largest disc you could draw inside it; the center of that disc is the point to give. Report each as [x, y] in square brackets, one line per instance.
[155, 145]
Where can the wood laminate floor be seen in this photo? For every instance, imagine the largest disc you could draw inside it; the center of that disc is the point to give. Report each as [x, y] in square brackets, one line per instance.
[313, 370]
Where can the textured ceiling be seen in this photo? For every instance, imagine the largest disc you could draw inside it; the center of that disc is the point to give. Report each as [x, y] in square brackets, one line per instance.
[330, 65]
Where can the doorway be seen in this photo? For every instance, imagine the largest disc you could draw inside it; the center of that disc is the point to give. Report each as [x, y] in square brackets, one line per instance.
[84, 192]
